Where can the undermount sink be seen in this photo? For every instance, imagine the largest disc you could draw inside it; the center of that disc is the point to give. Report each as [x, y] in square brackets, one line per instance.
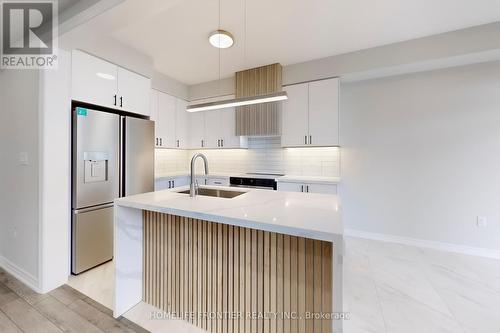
[210, 192]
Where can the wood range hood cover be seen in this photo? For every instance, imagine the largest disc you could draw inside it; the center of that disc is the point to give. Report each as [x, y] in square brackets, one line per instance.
[259, 119]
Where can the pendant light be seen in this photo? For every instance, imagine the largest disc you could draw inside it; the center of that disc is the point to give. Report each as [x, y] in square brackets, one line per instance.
[216, 40]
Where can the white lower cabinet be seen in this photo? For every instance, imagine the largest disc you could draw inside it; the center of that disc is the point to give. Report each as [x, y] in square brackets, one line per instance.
[307, 187]
[166, 183]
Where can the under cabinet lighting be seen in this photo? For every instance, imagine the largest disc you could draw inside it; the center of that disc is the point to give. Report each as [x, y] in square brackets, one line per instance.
[242, 101]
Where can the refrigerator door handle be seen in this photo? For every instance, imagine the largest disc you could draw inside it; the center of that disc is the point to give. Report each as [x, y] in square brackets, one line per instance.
[121, 154]
[91, 209]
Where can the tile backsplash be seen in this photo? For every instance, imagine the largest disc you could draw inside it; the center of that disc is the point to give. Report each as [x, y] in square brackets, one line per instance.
[263, 155]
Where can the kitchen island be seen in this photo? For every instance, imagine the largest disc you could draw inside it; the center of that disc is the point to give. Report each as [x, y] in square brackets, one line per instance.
[255, 261]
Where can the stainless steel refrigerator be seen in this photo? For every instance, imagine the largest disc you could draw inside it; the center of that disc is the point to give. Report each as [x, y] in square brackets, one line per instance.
[112, 156]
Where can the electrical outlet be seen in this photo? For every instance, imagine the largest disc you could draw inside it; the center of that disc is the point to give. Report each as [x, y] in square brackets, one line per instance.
[482, 222]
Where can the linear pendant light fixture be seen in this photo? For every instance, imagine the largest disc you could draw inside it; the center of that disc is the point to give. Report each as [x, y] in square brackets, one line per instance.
[274, 97]
[242, 101]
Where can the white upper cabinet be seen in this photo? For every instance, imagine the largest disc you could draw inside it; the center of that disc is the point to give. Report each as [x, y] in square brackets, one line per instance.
[311, 114]
[133, 92]
[171, 120]
[94, 80]
[154, 116]
[196, 130]
[166, 120]
[213, 135]
[153, 105]
[228, 136]
[295, 129]
[99, 82]
[214, 129]
[181, 124]
[324, 113]
[177, 128]
[219, 130]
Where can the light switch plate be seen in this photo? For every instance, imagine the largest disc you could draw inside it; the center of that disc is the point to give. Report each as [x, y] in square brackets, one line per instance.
[482, 222]
[23, 158]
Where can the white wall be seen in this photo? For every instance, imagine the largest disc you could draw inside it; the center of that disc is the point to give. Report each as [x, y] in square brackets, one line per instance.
[19, 184]
[421, 155]
[55, 172]
[170, 86]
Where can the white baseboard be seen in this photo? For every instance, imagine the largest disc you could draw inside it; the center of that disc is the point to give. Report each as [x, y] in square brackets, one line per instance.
[19, 273]
[449, 247]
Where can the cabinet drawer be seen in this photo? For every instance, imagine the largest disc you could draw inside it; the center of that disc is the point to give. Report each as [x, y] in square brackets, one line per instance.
[321, 188]
[290, 187]
[307, 187]
[218, 181]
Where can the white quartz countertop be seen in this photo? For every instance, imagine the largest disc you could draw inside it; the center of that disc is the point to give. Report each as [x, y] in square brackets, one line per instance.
[307, 215]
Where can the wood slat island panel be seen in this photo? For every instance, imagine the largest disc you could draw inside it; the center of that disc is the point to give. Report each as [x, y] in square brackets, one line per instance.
[232, 279]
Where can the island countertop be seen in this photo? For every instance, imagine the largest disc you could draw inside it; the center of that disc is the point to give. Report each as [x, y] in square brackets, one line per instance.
[140, 240]
[309, 215]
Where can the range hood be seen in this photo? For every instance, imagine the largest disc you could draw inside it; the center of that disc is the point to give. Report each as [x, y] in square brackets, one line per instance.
[263, 119]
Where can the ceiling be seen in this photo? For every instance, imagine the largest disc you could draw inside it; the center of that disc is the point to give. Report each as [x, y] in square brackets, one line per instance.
[174, 33]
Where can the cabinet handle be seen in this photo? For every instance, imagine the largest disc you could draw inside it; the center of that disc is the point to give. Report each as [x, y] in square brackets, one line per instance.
[305, 139]
[307, 188]
[222, 142]
[178, 144]
[218, 143]
[161, 142]
[169, 184]
[310, 139]
[301, 188]
[202, 144]
[157, 141]
[173, 183]
[121, 101]
[114, 100]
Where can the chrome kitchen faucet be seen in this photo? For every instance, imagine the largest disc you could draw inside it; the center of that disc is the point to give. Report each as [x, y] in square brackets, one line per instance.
[193, 187]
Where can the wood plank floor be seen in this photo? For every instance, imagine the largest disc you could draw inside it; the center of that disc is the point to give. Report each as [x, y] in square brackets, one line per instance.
[62, 310]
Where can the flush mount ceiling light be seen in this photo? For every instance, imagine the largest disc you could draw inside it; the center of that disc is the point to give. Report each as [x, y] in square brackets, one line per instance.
[221, 39]
[274, 97]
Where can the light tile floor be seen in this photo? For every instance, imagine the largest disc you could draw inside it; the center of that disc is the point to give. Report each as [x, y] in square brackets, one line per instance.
[388, 288]
[97, 283]
[396, 288]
